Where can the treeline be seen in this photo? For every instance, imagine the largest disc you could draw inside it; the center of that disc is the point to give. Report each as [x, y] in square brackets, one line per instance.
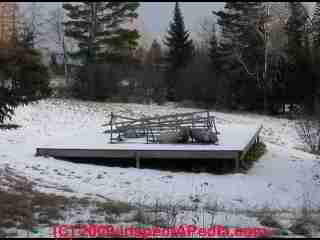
[265, 59]
[260, 56]
[257, 57]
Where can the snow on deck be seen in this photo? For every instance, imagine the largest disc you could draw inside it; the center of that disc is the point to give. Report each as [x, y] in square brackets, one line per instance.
[233, 138]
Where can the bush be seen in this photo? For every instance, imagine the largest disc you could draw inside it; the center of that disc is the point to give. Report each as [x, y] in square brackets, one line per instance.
[24, 78]
[8, 102]
[308, 129]
[253, 155]
[97, 81]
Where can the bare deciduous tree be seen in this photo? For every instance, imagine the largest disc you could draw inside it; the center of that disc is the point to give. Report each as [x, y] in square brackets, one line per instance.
[32, 23]
[56, 30]
[308, 129]
[263, 29]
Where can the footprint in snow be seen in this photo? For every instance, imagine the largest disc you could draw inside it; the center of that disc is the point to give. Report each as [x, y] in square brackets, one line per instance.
[99, 176]
[205, 184]
[168, 176]
[87, 180]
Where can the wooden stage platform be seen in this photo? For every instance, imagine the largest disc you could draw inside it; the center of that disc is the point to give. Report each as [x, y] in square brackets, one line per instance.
[234, 142]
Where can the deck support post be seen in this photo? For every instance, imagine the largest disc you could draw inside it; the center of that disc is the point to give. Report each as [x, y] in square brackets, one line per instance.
[237, 164]
[137, 157]
[111, 122]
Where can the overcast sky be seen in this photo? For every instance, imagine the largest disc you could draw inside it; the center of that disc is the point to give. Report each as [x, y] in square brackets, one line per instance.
[155, 16]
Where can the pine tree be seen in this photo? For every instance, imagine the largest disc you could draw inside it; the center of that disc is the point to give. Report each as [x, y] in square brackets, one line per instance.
[241, 49]
[316, 26]
[316, 49]
[23, 78]
[296, 28]
[99, 28]
[238, 23]
[213, 49]
[180, 49]
[299, 53]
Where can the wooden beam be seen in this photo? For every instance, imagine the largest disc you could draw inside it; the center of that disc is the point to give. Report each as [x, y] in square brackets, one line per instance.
[163, 117]
[170, 123]
[131, 154]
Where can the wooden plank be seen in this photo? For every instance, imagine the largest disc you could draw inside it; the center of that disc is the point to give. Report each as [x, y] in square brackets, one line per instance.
[164, 123]
[145, 154]
[127, 118]
[164, 117]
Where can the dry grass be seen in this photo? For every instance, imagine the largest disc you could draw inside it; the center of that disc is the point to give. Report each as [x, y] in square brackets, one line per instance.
[9, 126]
[113, 208]
[27, 209]
[253, 155]
[24, 208]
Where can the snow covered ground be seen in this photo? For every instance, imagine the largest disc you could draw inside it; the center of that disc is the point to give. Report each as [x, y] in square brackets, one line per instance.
[283, 178]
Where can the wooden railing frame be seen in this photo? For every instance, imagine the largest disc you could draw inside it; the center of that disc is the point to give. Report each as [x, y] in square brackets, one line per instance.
[151, 125]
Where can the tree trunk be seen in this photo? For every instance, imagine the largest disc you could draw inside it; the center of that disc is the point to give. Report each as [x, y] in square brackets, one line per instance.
[265, 101]
[65, 62]
[91, 80]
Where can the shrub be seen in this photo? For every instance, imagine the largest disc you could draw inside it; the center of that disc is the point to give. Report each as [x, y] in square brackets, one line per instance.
[97, 81]
[308, 129]
[24, 78]
[254, 154]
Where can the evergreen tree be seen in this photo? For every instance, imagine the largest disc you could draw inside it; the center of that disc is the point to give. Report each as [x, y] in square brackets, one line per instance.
[180, 50]
[316, 40]
[241, 49]
[103, 36]
[296, 28]
[316, 26]
[99, 28]
[316, 50]
[227, 66]
[238, 23]
[299, 53]
[23, 78]
[213, 49]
